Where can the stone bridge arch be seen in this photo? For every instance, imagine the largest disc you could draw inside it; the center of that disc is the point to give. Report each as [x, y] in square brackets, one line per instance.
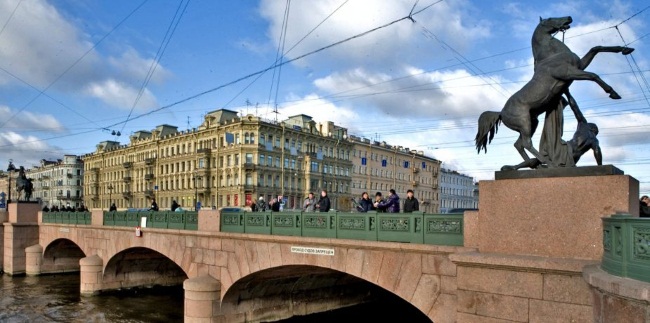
[423, 276]
[141, 266]
[61, 255]
[282, 292]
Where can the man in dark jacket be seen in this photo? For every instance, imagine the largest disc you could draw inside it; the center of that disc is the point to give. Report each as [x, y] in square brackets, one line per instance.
[174, 205]
[378, 199]
[411, 203]
[323, 204]
[365, 204]
[391, 204]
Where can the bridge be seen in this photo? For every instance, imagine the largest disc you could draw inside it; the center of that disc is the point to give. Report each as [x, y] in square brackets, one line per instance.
[496, 264]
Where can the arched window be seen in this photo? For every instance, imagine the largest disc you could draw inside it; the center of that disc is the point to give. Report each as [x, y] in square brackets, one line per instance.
[252, 138]
[246, 138]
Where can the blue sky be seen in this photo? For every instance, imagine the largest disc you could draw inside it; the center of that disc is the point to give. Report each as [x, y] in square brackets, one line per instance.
[72, 71]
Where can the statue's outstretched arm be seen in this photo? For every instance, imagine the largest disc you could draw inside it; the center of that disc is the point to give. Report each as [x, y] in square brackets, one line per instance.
[574, 107]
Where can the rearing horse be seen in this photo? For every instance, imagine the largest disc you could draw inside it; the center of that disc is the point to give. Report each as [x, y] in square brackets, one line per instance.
[24, 184]
[556, 67]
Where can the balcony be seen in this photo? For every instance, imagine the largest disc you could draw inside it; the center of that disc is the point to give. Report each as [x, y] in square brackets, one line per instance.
[94, 170]
[45, 177]
[416, 170]
[249, 166]
[249, 187]
[126, 195]
[149, 161]
[414, 183]
[69, 175]
[127, 178]
[148, 177]
[127, 164]
[45, 186]
[203, 151]
[94, 197]
[149, 193]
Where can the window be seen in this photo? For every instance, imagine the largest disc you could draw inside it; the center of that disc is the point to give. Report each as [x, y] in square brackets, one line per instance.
[269, 160]
[249, 158]
[277, 142]
[247, 138]
[261, 180]
[314, 166]
[201, 163]
[229, 160]
[237, 139]
[262, 160]
[262, 139]
[277, 162]
[236, 159]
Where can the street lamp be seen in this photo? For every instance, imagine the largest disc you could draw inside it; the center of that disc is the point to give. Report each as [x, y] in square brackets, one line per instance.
[110, 193]
[196, 190]
[11, 168]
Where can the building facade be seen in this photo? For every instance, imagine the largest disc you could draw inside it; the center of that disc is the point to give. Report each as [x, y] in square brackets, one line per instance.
[227, 161]
[457, 191]
[58, 182]
[379, 167]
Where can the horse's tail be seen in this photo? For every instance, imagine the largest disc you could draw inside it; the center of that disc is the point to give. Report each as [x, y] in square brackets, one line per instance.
[488, 124]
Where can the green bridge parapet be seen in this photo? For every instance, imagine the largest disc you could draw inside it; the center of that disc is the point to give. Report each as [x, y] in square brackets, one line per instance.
[186, 220]
[435, 229]
[626, 246]
[67, 217]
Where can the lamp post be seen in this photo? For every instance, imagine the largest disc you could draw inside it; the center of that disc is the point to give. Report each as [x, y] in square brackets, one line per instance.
[196, 190]
[110, 194]
[11, 168]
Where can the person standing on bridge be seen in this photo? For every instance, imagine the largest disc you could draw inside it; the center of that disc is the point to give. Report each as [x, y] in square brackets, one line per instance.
[174, 205]
[391, 205]
[309, 204]
[324, 204]
[154, 205]
[112, 208]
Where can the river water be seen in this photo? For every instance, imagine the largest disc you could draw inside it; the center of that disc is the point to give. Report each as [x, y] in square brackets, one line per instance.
[55, 298]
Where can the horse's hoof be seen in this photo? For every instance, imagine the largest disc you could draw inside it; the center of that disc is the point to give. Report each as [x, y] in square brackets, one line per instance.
[614, 96]
[627, 50]
[507, 167]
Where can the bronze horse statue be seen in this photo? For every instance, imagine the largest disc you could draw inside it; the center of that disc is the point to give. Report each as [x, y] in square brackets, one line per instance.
[556, 67]
[24, 184]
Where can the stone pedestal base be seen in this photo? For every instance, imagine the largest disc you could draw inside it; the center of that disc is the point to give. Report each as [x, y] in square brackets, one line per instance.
[500, 288]
[34, 260]
[617, 299]
[17, 237]
[91, 272]
[202, 299]
[552, 217]
[24, 212]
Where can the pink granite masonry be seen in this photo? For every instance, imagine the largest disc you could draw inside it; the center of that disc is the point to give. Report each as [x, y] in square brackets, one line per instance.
[23, 212]
[554, 217]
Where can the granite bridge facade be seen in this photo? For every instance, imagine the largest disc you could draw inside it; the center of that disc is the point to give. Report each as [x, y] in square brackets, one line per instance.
[515, 263]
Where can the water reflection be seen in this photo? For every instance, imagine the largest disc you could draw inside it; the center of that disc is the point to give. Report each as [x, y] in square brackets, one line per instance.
[55, 298]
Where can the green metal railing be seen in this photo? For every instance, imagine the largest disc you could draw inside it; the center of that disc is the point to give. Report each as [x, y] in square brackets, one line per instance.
[67, 217]
[438, 229]
[165, 220]
[626, 246]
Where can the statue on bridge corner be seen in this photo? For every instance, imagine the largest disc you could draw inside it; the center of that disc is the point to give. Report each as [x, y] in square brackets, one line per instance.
[24, 184]
[556, 67]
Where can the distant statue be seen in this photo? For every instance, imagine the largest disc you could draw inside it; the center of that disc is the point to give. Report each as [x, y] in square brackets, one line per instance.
[556, 67]
[24, 184]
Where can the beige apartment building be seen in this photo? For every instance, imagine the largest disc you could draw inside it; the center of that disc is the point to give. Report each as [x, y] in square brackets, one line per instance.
[379, 167]
[58, 182]
[227, 161]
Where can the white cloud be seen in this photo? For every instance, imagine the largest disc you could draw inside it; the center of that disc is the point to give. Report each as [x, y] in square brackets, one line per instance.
[26, 150]
[383, 47]
[39, 45]
[27, 121]
[120, 95]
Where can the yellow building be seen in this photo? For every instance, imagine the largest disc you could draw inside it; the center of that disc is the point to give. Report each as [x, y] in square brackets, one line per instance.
[228, 161]
[379, 167]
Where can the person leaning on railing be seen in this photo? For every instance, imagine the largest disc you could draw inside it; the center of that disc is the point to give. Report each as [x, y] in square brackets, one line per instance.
[391, 204]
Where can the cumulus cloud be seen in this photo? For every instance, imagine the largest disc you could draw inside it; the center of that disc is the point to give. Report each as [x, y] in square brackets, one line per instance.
[120, 95]
[450, 93]
[400, 41]
[26, 150]
[28, 121]
[39, 45]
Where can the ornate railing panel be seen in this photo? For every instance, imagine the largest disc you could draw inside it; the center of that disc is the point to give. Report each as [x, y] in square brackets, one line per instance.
[439, 229]
[626, 246]
[67, 217]
[185, 220]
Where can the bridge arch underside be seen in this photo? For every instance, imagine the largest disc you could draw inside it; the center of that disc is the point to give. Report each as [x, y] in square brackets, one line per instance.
[141, 267]
[61, 255]
[297, 290]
